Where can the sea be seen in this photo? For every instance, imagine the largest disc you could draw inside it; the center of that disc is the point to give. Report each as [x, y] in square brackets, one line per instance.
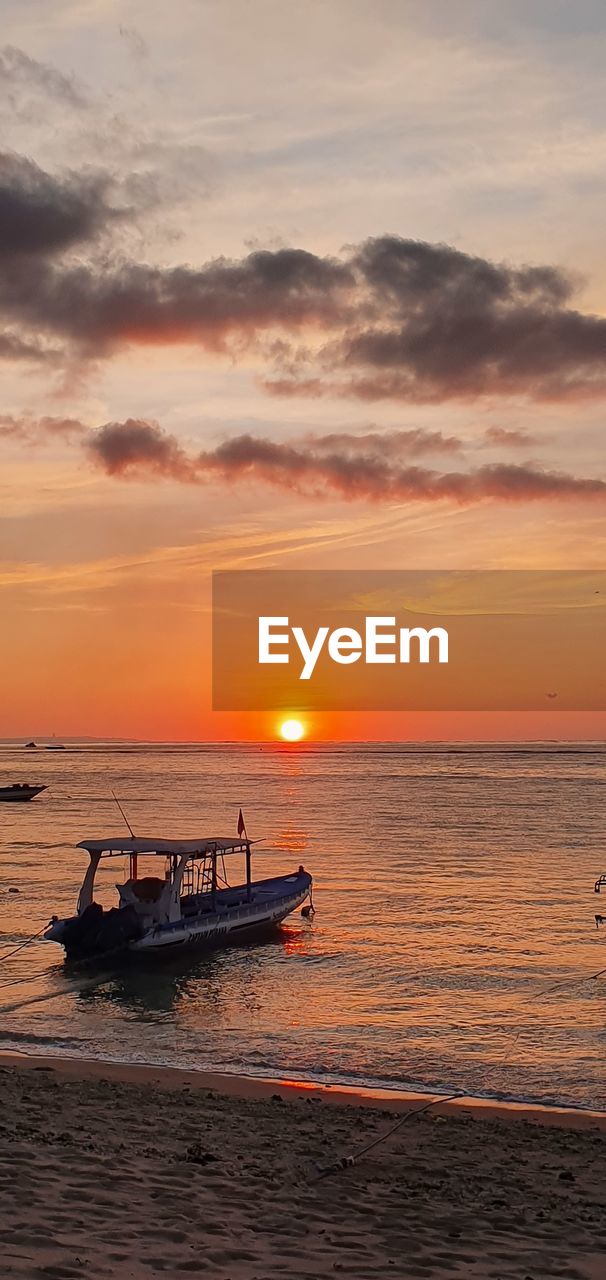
[454, 944]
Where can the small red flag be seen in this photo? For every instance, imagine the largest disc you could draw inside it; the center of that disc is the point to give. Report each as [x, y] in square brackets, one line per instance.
[241, 825]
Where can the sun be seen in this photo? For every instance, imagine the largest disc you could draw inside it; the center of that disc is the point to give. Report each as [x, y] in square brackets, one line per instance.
[292, 730]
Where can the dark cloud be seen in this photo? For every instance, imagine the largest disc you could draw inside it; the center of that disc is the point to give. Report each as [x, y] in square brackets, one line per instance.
[142, 450]
[125, 448]
[219, 306]
[41, 214]
[434, 324]
[411, 271]
[391, 319]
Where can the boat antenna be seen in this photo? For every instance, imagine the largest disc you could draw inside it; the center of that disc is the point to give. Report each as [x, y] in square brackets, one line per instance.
[123, 815]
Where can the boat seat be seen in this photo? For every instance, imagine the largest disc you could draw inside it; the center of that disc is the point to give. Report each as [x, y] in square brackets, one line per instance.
[145, 891]
[148, 888]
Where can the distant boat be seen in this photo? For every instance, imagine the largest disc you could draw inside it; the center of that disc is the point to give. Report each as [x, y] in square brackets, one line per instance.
[55, 746]
[31, 746]
[20, 791]
[182, 907]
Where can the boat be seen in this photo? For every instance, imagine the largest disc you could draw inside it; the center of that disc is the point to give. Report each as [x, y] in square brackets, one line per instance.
[31, 746]
[190, 905]
[54, 746]
[20, 791]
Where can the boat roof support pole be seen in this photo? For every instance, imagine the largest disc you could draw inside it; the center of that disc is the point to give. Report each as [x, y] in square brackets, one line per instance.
[178, 866]
[248, 872]
[86, 892]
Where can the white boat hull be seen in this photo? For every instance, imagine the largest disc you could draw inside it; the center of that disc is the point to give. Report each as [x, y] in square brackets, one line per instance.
[204, 926]
[211, 932]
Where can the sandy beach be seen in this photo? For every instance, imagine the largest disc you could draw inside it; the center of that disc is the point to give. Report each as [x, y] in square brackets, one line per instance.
[134, 1172]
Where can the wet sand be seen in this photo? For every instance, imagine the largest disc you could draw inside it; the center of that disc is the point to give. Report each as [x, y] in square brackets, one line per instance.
[134, 1172]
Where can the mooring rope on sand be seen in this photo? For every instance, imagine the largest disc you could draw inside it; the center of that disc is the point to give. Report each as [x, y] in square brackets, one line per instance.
[348, 1161]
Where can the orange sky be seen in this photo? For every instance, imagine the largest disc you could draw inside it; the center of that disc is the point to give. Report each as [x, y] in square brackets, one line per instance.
[269, 300]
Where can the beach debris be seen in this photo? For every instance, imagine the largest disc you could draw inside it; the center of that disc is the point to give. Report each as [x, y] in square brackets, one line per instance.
[196, 1154]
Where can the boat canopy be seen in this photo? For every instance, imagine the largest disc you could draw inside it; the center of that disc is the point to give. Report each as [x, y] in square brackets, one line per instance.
[141, 844]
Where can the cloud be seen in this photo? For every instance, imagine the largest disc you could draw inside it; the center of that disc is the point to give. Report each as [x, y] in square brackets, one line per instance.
[43, 430]
[433, 323]
[142, 450]
[148, 165]
[411, 443]
[136, 43]
[19, 73]
[222, 304]
[125, 448]
[14, 347]
[369, 467]
[41, 214]
[512, 438]
[391, 319]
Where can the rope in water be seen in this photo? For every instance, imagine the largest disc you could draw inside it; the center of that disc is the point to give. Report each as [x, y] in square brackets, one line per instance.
[26, 977]
[565, 982]
[80, 985]
[26, 943]
[48, 995]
